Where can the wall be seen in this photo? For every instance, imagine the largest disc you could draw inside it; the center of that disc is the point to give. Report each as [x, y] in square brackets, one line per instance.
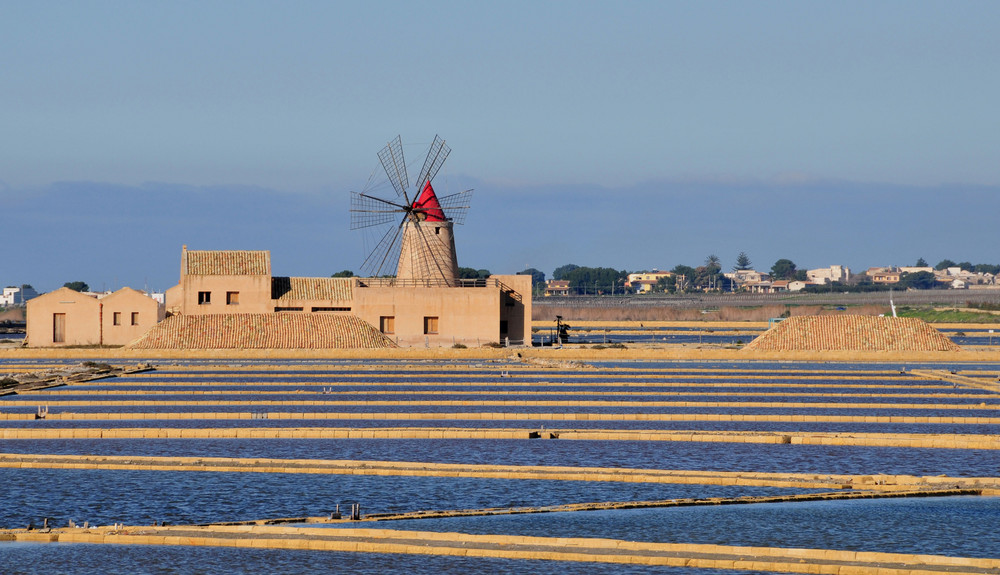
[126, 301]
[517, 316]
[82, 319]
[254, 290]
[465, 315]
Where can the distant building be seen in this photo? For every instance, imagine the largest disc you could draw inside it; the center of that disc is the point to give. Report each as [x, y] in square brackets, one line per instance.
[17, 295]
[645, 282]
[831, 274]
[745, 279]
[557, 287]
[884, 275]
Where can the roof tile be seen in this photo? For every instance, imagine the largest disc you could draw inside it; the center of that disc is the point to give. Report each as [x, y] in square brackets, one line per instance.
[228, 263]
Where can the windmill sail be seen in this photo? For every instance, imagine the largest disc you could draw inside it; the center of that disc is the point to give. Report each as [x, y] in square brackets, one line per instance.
[394, 164]
[414, 238]
[436, 156]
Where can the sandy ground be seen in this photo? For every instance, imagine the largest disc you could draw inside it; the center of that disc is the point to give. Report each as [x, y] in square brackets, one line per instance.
[543, 355]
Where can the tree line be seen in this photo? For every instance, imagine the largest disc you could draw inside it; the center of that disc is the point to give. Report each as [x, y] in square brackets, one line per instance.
[584, 280]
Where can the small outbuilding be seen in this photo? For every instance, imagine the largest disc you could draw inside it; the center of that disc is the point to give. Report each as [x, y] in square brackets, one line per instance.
[67, 317]
[63, 317]
[127, 314]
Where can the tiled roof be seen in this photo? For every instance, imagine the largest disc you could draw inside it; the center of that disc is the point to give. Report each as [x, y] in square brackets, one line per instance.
[852, 333]
[263, 331]
[312, 288]
[228, 263]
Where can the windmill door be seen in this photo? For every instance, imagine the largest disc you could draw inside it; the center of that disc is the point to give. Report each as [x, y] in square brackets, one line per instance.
[58, 328]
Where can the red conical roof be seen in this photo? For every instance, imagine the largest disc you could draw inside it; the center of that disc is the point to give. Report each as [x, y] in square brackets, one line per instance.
[428, 203]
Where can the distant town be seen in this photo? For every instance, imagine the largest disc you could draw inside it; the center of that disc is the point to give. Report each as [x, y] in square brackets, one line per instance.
[783, 276]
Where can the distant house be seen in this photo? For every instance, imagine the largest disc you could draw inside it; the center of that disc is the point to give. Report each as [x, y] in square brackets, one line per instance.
[645, 282]
[17, 295]
[831, 274]
[747, 279]
[885, 278]
[557, 287]
[884, 275]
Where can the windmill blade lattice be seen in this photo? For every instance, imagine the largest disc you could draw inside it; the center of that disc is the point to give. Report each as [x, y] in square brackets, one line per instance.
[369, 211]
[456, 205]
[436, 156]
[392, 160]
[384, 257]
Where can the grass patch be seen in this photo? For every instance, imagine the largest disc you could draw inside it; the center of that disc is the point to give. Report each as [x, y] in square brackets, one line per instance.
[947, 315]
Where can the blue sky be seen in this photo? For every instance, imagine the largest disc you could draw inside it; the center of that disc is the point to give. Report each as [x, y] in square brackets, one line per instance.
[632, 135]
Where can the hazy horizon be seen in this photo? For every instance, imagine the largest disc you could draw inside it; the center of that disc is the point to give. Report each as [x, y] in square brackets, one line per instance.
[634, 135]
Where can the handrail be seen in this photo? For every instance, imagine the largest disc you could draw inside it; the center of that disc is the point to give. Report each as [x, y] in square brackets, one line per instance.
[437, 282]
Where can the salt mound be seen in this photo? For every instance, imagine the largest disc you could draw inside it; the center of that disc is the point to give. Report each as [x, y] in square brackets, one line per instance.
[262, 331]
[852, 333]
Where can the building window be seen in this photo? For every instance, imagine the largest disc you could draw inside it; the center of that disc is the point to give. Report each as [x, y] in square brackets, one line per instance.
[116, 318]
[387, 324]
[232, 298]
[430, 325]
[58, 328]
[135, 318]
[281, 309]
[336, 309]
[204, 297]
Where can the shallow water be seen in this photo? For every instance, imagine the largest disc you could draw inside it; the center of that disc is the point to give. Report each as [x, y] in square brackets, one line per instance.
[46, 559]
[958, 526]
[953, 526]
[627, 454]
[140, 497]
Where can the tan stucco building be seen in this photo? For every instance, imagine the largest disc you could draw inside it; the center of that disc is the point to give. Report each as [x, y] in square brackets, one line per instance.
[66, 317]
[437, 312]
[412, 312]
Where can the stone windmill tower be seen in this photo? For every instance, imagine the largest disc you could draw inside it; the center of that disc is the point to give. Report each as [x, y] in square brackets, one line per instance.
[420, 248]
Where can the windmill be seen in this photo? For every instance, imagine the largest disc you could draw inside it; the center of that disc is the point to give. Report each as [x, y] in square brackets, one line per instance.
[415, 228]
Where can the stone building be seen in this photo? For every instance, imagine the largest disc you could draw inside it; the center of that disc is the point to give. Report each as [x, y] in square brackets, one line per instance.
[437, 311]
[65, 317]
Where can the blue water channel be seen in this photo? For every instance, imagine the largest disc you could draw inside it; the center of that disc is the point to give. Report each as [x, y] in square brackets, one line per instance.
[41, 559]
[954, 526]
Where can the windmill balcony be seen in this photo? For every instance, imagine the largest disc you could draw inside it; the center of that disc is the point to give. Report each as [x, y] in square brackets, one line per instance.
[432, 282]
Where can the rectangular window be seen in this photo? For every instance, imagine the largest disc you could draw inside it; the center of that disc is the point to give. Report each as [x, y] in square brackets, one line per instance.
[387, 324]
[58, 328]
[430, 325]
[232, 298]
[135, 318]
[204, 297]
[338, 309]
[281, 309]
[116, 318]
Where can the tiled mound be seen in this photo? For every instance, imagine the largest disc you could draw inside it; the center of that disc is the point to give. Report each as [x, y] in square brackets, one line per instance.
[263, 331]
[852, 333]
